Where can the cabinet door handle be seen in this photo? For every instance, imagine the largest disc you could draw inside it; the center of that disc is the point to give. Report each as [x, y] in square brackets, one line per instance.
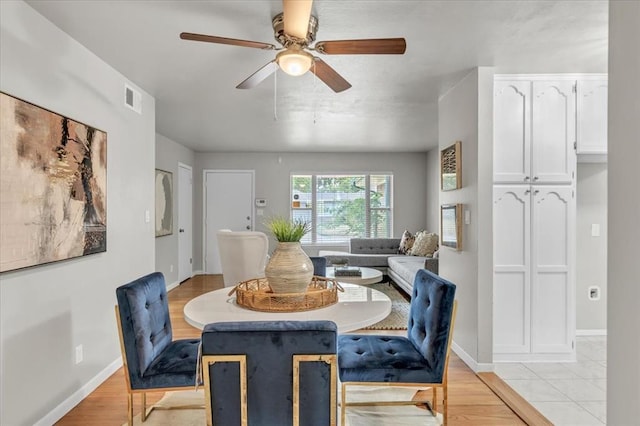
[536, 192]
[526, 178]
[527, 192]
[535, 178]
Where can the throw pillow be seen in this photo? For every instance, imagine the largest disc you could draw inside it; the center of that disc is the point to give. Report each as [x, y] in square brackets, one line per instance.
[426, 244]
[406, 242]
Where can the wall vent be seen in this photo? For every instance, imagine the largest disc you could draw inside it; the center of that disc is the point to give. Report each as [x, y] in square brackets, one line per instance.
[132, 98]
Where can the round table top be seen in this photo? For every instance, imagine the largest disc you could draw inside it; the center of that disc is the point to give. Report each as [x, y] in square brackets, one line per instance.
[357, 307]
[369, 276]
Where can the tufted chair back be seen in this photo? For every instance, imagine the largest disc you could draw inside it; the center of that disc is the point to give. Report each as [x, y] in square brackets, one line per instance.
[319, 265]
[270, 348]
[144, 314]
[430, 317]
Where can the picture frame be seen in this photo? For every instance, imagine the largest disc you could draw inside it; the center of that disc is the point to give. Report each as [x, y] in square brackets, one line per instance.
[164, 203]
[53, 186]
[451, 226]
[451, 167]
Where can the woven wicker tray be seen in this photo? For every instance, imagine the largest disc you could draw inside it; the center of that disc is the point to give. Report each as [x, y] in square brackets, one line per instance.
[256, 294]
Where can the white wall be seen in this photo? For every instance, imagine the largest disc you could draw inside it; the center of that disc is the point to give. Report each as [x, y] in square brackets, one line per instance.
[433, 190]
[591, 252]
[46, 311]
[272, 171]
[168, 155]
[623, 315]
[464, 114]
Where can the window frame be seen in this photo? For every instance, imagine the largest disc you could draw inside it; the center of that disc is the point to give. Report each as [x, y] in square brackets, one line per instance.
[314, 204]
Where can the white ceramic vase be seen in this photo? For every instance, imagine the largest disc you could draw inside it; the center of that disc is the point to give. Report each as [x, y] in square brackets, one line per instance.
[289, 269]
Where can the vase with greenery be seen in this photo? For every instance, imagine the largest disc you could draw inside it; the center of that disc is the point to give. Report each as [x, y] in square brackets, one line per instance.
[289, 269]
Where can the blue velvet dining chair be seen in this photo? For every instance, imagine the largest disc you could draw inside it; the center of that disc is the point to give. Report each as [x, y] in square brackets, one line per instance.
[420, 359]
[319, 265]
[152, 360]
[270, 373]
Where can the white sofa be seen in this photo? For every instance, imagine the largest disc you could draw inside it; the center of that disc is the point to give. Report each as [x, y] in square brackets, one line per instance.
[382, 254]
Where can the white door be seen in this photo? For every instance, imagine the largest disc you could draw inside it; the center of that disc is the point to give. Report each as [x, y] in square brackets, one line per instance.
[553, 130]
[512, 132]
[228, 205]
[185, 220]
[552, 259]
[511, 256]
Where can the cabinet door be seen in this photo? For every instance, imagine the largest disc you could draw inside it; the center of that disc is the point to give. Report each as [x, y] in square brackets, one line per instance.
[552, 280]
[511, 288]
[592, 116]
[512, 133]
[553, 127]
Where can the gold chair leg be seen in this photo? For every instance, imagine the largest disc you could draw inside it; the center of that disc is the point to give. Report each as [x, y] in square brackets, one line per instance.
[130, 409]
[444, 405]
[434, 398]
[143, 400]
[343, 408]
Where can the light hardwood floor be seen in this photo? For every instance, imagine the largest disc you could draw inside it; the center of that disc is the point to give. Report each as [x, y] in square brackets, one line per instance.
[471, 402]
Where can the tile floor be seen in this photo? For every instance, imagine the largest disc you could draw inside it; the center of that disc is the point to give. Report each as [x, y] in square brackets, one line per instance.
[567, 394]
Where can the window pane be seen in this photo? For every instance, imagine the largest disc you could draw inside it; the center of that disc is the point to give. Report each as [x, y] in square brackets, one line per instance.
[341, 207]
[380, 223]
[306, 215]
[380, 191]
[301, 191]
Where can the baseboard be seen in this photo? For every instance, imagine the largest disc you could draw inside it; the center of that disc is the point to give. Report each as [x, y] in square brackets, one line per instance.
[197, 273]
[75, 398]
[596, 332]
[173, 285]
[468, 359]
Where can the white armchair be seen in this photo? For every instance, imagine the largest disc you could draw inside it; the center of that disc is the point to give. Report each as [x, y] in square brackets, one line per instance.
[243, 255]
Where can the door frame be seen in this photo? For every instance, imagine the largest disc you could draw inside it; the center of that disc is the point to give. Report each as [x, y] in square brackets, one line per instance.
[180, 213]
[205, 203]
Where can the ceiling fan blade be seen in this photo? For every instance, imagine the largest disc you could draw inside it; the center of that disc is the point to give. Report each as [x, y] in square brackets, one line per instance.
[258, 76]
[329, 76]
[224, 40]
[372, 46]
[296, 17]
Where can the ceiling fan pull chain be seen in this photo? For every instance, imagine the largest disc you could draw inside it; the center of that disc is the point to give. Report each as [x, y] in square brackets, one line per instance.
[275, 96]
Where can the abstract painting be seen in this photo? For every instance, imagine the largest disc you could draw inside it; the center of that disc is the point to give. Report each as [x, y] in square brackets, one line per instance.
[53, 186]
[164, 203]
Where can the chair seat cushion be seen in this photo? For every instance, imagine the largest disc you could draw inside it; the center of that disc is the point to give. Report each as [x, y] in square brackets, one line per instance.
[371, 358]
[175, 366]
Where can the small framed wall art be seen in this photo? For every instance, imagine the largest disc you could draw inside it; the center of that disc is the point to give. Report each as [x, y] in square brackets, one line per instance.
[451, 167]
[164, 203]
[451, 226]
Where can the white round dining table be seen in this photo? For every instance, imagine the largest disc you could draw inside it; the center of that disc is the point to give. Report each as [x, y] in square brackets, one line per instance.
[357, 307]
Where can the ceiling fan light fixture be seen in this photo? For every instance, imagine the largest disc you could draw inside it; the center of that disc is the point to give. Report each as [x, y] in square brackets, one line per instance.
[294, 61]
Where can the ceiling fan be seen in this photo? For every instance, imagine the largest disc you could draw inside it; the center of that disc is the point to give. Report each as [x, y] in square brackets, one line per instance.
[295, 29]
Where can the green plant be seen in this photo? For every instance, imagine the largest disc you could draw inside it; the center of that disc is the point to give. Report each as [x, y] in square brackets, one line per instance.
[286, 230]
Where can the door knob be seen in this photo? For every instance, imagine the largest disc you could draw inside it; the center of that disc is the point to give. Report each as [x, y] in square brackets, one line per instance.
[248, 227]
[248, 218]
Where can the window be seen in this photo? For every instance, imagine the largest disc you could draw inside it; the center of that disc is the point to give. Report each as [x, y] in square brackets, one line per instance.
[341, 207]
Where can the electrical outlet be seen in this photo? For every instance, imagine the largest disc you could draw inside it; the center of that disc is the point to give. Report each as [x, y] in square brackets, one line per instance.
[79, 355]
[594, 292]
[171, 268]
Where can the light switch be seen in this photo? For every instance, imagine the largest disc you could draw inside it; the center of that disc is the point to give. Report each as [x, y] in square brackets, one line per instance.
[595, 230]
[467, 217]
[147, 216]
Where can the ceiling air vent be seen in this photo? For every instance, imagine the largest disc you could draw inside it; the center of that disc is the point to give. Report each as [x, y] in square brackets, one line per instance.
[132, 99]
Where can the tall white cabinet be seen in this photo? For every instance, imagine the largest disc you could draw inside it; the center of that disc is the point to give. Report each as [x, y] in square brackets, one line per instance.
[534, 218]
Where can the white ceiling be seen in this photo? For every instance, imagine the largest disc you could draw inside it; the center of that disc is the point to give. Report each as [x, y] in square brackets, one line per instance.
[392, 105]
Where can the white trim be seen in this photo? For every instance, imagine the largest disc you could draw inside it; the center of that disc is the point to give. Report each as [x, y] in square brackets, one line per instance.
[198, 272]
[535, 357]
[553, 76]
[173, 285]
[468, 359]
[77, 397]
[595, 332]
